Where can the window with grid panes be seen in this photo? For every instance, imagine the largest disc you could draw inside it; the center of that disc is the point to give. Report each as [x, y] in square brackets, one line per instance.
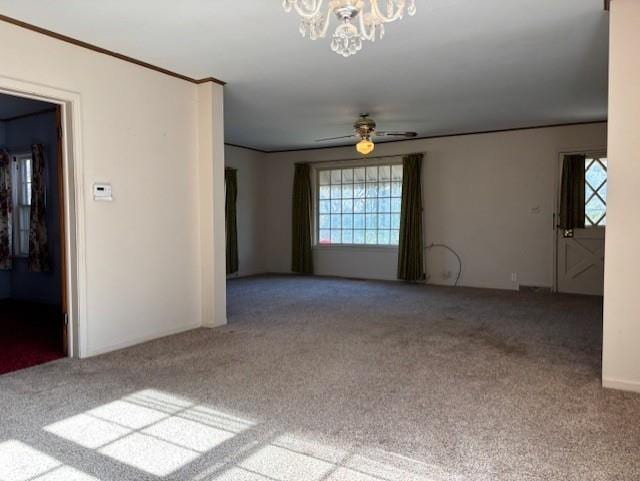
[595, 191]
[22, 204]
[359, 205]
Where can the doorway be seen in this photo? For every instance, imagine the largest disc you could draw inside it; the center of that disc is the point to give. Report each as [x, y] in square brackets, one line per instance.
[33, 290]
[580, 252]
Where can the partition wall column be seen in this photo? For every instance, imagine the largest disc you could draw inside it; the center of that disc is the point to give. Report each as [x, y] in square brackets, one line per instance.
[212, 204]
[621, 345]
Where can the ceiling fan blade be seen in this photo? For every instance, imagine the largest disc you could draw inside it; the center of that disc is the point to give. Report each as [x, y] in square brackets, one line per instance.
[335, 138]
[396, 134]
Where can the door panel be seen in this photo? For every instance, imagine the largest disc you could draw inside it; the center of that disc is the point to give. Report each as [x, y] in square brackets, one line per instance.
[581, 261]
[580, 252]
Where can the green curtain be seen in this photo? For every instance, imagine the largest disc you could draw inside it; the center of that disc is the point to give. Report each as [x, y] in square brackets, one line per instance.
[231, 196]
[411, 249]
[572, 193]
[302, 218]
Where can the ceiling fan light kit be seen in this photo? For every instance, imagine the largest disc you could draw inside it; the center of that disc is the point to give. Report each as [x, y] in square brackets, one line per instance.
[360, 20]
[365, 146]
[365, 128]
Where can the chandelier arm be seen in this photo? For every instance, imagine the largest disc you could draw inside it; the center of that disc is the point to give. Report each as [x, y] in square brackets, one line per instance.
[325, 27]
[367, 35]
[375, 11]
[311, 13]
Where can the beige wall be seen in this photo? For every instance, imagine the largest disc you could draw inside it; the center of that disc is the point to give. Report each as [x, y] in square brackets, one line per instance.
[250, 166]
[210, 172]
[621, 348]
[138, 129]
[488, 196]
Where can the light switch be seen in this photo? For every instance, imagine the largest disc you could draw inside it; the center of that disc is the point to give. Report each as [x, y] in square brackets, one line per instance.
[102, 192]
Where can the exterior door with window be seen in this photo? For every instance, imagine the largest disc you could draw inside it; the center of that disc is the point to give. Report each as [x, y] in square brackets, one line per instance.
[580, 252]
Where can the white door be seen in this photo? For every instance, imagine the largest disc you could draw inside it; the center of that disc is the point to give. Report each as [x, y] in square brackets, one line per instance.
[580, 253]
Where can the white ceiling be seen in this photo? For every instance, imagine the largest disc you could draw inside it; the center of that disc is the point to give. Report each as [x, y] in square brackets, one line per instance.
[11, 106]
[457, 66]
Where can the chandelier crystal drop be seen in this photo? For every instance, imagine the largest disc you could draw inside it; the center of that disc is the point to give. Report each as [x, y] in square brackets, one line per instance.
[359, 20]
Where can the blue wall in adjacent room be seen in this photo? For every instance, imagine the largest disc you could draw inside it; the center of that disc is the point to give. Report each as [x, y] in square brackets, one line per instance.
[19, 135]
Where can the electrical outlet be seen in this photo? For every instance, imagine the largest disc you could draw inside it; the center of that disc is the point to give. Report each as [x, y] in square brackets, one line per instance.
[446, 274]
[514, 277]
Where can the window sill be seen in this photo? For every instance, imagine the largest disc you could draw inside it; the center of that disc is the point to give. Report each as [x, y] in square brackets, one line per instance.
[370, 247]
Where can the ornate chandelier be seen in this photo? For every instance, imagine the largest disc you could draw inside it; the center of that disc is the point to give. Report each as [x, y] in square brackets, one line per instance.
[359, 20]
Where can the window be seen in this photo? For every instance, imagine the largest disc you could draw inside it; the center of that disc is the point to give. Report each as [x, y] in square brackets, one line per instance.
[359, 205]
[21, 204]
[595, 192]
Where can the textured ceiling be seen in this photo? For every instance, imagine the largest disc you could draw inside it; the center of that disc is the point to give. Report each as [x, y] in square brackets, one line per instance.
[457, 66]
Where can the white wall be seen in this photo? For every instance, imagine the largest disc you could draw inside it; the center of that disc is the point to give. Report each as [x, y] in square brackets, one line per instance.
[139, 130]
[621, 347]
[479, 193]
[251, 209]
[211, 208]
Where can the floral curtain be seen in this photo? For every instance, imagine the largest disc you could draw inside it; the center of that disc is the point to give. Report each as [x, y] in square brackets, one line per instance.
[6, 207]
[39, 260]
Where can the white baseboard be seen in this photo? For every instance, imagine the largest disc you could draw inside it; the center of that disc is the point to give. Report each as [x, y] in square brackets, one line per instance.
[140, 340]
[631, 386]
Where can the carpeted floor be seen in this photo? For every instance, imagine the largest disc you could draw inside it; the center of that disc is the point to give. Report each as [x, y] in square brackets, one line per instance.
[30, 334]
[331, 380]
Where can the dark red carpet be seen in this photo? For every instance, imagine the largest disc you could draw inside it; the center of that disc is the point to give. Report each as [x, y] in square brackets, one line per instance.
[30, 334]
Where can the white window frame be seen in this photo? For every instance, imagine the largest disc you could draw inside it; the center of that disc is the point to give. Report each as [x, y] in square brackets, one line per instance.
[18, 186]
[344, 164]
[596, 157]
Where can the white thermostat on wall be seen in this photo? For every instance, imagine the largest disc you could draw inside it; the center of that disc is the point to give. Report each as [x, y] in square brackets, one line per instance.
[102, 192]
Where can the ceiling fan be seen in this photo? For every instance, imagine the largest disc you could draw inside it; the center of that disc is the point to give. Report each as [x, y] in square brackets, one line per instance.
[365, 128]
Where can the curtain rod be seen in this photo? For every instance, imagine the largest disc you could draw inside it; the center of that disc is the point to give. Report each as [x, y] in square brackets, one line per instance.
[21, 149]
[364, 159]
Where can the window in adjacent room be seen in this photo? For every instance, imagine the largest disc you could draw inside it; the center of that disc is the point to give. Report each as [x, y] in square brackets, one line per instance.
[595, 192]
[359, 205]
[21, 204]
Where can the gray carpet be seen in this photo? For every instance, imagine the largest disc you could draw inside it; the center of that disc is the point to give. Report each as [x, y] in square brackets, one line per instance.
[326, 380]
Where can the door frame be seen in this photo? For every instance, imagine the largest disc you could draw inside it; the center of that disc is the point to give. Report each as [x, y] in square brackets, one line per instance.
[72, 206]
[598, 150]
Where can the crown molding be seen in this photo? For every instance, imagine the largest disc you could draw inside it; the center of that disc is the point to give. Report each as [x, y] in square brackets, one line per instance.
[104, 51]
[246, 147]
[32, 114]
[432, 137]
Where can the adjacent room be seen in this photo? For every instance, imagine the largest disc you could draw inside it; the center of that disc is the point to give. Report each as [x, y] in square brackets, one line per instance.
[31, 319]
[312, 240]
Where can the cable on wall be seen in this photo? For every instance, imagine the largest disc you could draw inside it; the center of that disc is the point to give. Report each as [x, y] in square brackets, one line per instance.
[444, 246]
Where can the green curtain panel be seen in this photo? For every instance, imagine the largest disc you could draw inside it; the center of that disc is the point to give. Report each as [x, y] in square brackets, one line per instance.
[411, 249]
[572, 194]
[39, 259]
[231, 197]
[302, 218]
[6, 206]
